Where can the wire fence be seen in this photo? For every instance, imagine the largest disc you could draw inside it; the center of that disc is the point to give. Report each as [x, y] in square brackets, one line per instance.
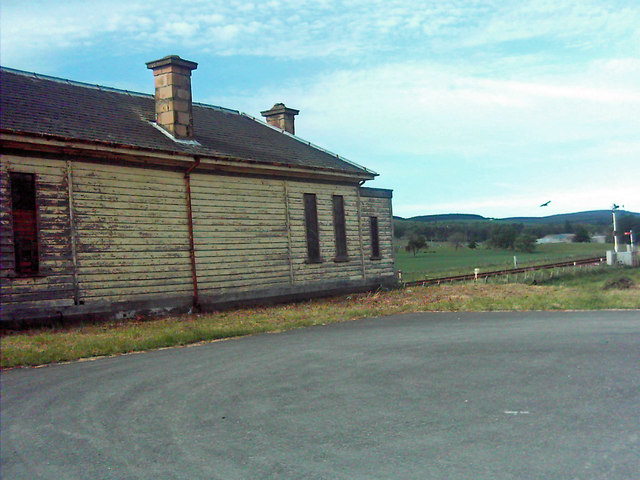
[532, 274]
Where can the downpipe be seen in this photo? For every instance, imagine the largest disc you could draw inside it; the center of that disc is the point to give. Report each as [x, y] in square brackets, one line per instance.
[192, 248]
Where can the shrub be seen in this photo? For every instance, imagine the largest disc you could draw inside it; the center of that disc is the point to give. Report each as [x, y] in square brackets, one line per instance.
[525, 243]
[416, 243]
[581, 235]
[619, 283]
[503, 236]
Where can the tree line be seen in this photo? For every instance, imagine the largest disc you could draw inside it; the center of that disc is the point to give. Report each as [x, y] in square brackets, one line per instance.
[499, 234]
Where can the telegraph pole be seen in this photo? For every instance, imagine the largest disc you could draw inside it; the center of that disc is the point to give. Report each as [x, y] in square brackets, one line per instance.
[615, 229]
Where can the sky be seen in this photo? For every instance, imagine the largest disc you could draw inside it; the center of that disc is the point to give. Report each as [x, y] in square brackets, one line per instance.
[462, 106]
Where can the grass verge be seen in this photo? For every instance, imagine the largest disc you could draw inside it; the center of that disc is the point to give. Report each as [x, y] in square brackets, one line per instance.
[585, 291]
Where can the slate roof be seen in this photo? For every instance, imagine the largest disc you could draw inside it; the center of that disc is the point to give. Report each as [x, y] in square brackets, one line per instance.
[32, 103]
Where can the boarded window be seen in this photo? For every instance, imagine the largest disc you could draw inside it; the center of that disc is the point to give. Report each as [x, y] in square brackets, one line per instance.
[311, 224]
[339, 228]
[375, 239]
[25, 232]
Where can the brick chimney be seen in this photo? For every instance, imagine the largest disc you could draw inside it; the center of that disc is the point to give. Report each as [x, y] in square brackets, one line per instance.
[281, 117]
[172, 76]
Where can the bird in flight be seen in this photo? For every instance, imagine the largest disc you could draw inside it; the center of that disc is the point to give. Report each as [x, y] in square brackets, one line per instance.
[545, 203]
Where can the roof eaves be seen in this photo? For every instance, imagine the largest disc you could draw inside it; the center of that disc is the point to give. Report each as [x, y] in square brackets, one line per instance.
[177, 153]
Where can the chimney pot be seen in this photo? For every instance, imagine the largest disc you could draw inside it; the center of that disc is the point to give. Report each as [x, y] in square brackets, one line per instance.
[174, 110]
[281, 117]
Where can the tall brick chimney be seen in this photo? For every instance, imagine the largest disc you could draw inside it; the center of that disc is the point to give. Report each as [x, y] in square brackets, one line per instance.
[281, 117]
[174, 113]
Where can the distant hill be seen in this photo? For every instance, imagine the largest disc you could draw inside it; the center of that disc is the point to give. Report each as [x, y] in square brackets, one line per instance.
[593, 217]
[448, 217]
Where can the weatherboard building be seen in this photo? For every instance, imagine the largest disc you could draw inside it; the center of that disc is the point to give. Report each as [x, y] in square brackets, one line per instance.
[120, 203]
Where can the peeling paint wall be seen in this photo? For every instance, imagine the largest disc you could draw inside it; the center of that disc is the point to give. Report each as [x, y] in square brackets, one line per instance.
[111, 235]
[380, 208]
[53, 287]
[240, 233]
[328, 269]
[132, 234]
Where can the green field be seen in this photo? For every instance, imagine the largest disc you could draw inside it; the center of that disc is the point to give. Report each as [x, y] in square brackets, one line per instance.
[441, 260]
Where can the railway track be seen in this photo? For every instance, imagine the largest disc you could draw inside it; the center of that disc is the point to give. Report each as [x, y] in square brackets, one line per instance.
[511, 271]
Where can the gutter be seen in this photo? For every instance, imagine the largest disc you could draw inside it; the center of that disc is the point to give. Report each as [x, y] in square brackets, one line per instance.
[100, 149]
[192, 248]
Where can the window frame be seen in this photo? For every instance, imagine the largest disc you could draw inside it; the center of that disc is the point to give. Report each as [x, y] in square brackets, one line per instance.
[374, 231]
[339, 229]
[31, 224]
[312, 229]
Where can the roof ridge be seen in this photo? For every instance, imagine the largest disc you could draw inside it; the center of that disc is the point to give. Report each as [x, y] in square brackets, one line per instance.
[217, 107]
[74, 82]
[102, 87]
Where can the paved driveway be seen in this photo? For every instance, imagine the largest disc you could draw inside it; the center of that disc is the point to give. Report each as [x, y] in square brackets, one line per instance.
[419, 396]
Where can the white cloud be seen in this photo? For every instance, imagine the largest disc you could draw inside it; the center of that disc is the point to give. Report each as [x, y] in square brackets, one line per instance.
[445, 133]
[224, 33]
[585, 24]
[426, 93]
[310, 29]
[181, 29]
[434, 108]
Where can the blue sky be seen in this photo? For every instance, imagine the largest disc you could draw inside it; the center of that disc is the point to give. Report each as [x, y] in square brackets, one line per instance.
[487, 107]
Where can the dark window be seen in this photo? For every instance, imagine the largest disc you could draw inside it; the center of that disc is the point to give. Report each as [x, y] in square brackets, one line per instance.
[25, 232]
[339, 228]
[375, 239]
[311, 223]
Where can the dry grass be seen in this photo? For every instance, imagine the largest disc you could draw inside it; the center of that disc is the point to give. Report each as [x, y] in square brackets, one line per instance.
[48, 345]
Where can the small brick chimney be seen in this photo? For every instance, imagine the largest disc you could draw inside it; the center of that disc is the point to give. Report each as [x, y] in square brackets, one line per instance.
[174, 113]
[281, 117]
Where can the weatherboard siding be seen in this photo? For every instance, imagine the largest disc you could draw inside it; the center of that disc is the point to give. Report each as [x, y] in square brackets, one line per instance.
[53, 286]
[132, 233]
[240, 233]
[327, 269]
[381, 208]
[114, 234]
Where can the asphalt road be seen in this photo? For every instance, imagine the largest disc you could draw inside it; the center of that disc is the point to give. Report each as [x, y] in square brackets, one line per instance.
[419, 396]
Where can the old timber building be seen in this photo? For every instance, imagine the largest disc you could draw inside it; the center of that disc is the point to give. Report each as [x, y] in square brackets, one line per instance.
[118, 203]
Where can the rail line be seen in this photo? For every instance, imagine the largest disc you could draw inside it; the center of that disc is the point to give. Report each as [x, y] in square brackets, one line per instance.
[495, 273]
